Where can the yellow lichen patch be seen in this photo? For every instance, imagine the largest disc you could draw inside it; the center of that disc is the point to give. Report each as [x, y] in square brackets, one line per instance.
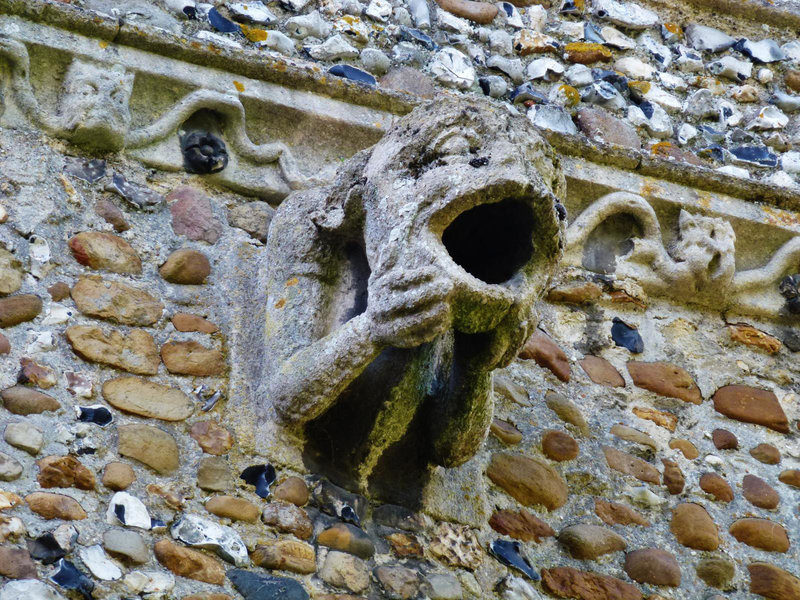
[639, 86]
[704, 199]
[254, 34]
[103, 44]
[280, 303]
[572, 95]
[72, 194]
[238, 85]
[662, 149]
[292, 281]
[586, 52]
[776, 216]
[650, 189]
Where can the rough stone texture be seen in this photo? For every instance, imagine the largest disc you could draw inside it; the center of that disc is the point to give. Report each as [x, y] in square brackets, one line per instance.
[653, 566]
[147, 398]
[192, 358]
[212, 438]
[16, 563]
[716, 572]
[115, 301]
[186, 322]
[665, 379]
[189, 563]
[751, 405]
[253, 217]
[24, 436]
[10, 468]
[751, 336]
[288, 518]
[529, 481]
[192, 216]
[674, 479]
[344, 570]
[135, 351]
[150, 445]
[693, 527]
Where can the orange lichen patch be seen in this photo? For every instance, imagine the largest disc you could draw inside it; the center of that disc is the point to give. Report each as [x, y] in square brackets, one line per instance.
[254, 34]
[103, 44]
[280, 303]
[587, 53]
[572, 95]
[659, 417]
[639, 86]
[674, 29]
[238, 85]
[776, 216]
[747, 334]
[292, 281]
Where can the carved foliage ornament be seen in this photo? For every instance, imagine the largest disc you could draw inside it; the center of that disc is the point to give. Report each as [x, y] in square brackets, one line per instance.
[395, 292]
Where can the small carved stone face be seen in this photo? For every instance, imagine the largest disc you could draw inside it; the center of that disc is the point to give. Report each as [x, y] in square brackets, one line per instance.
[203, 153]
[473, 190]
[94, 105]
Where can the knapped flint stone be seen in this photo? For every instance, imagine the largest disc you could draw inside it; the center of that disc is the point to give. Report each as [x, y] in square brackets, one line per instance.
[693, 527]
[601, 371]
[135, 351]
[630, 465]
[189, 563]
[104, 251]
[70, 577]
[186, 267]
[64, 471]
[116, 302]
[612, 513]
[714, 484]
[589, 542]
[192, 358]
[147, 398]
[16, 563]
[55, 506]
[347, 538]
[509, 553]
[19, 309]
[46, 549]
[149, 445]
[702, 37]
[566, 582]
[261, 477]
[520, 525]
[530, 481]
[10, 468]
[715, 571]
[773, 582]
[761, 533]
[751, 405]
[626, 336]
[759, 493]
[285, 555]
[600, 125]
[665, 379]
[546, 353]
[195, 531]
[331, 499]
[24, 401]
[266, 587]
[653, 566]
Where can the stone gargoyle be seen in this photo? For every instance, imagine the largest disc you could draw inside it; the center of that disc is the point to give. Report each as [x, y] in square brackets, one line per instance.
[699, 266]
[93, 112]
[395, 292]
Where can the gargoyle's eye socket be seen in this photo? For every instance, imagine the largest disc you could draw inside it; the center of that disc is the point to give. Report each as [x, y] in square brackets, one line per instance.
[492, 242]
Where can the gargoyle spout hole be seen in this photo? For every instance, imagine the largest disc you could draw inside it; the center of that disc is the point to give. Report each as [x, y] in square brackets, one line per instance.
[492, 242]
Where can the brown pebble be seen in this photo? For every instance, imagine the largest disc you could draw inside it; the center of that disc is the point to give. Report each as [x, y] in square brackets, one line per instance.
[229, 507]
[118, 476]
[673, 476]
[58, 291]
[286, 555]
[724, 440]
[16, 563]
[559, 446]
[24, 401]
[186, 267]
[5, 345]
[63, 472]
[185, 322]
[716, 572]
[477, 12]
[773, 582]
[586, 53]
[112, 215]
[520, 525]
[405, 545]
[759, 493]
[55, 506]
[693, 527]
[505, 432]
[288, 518]
[192, 358]
[212, 437]
[612, 513]
[713, 484]
[292, 489]
[686, 447]
[766, 453]
[630, 465]
[790, 477]
[546, 353]
[528, 480]
[751, 405]
[653, 566]
[566, 582]
[792, 79]
[660, 417]
[189, 563]
[601, 371]
[19, 309]
[761, 533]
[665, 379]
[104, 251]
[750, 336]
[589, 542]
[581, 293]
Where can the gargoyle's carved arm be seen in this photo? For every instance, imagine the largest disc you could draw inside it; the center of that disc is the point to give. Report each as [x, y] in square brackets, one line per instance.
[785, 259]
[16, 55]
[230, 107]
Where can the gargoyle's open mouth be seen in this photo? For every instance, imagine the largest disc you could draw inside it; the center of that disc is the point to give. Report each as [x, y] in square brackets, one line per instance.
[492, 242]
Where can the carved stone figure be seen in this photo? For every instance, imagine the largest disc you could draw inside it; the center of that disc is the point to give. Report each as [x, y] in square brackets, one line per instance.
[699, 266]
[93, 112]
[396, 291]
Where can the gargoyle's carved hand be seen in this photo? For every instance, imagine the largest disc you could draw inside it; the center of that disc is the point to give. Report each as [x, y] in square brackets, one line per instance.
[408, 307]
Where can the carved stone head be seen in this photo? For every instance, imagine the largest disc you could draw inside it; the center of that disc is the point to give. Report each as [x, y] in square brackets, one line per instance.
[93, 107]
[472, 189]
